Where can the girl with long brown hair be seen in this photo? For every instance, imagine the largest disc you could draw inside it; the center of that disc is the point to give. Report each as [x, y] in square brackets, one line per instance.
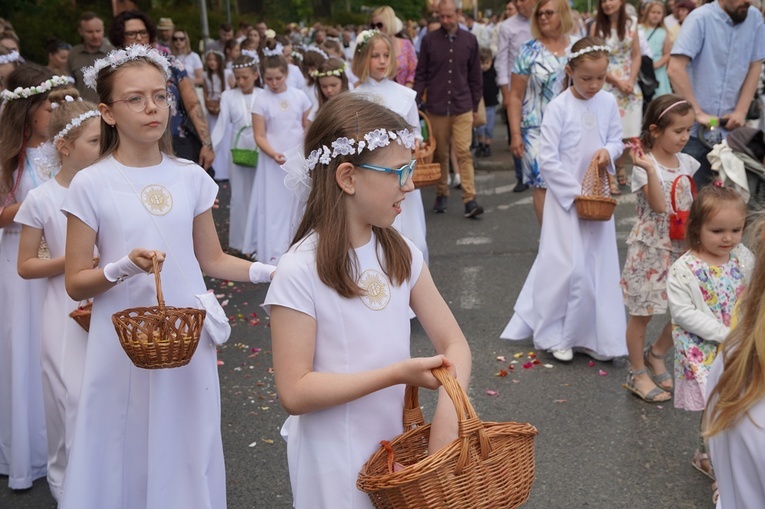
[340, 302]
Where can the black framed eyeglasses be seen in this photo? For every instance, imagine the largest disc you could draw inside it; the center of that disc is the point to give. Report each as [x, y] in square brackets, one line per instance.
[549, 13]
[137, 103]
[133, 34]
[403, 173]
[376, 26]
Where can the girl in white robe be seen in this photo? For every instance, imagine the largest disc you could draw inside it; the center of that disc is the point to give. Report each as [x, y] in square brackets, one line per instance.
[571, 297]
[279, 117]
[235, 119]
[145, 439]
[23, 128]
[76, 133]
[374, 62]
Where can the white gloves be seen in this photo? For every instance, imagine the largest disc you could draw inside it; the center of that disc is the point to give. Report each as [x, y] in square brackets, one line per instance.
[122, 269]
[261, 272]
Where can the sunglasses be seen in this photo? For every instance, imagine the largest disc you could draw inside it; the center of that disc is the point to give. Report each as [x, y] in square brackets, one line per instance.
[378, 25]
[548, 13]
[181, 38]
[403, 173]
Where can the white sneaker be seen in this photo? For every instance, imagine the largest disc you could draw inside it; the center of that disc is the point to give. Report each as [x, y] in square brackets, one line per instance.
[563, 355]
[592, 353]
[456, 181]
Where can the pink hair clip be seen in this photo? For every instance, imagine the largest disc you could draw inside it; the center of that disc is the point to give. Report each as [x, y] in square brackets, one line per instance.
[717, 183]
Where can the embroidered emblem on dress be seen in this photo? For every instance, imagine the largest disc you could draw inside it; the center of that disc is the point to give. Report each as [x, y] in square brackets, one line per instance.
[376, 289]
[157, 199]
[284, 105]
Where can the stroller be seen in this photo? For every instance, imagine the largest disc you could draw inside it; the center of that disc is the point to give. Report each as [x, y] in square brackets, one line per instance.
[740, 163]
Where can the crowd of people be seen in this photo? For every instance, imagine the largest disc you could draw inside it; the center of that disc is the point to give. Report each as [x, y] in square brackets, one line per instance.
[109, 157]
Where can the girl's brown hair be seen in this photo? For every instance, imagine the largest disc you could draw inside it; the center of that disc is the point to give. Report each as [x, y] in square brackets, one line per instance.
[219, 71]
[110, 138]
[14, 123]
[329, 65]
[658, 115]
[350, 116]
[363, 55]
[66, 111]
[710, 200]
[311, 60]
[740, 386]
[587, 42]
[602, 27]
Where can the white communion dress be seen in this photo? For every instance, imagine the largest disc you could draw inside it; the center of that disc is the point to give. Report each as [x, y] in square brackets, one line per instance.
[326, 449]
[145, 439]
[571, 297]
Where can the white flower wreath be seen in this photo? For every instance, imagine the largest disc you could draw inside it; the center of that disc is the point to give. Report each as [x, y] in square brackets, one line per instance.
[364, 37]
[318, 50]
[588, 49]
[76, 122]
[278, 50]
[118, 57]
[45, 86]
[11, 57]
[335, 72]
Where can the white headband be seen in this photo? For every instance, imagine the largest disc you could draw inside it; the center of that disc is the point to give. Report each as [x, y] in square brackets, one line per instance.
[76, 122]
[45, 86]
[11, 57]
[588, 49]
[119, 57]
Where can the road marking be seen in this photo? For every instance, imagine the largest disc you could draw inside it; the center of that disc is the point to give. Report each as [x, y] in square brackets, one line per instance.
[473, 241]
[522, 201]
[469, 289]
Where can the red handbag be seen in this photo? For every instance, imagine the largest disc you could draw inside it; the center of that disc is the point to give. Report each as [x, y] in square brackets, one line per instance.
[678, 219]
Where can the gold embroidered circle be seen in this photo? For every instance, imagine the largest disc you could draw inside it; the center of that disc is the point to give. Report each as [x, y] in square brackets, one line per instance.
[284, 105]
[157, 199]
[376, 289]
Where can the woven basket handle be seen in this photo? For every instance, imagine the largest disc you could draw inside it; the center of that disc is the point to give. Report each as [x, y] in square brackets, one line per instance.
[469, 423]
[595, 177]
[674, 188]
[158, 281]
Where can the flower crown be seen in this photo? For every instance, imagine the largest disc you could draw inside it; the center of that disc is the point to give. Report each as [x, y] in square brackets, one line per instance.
[335, 72]
[588, 49]
[119, 57]
[11, 57]
[318, 50]
[25, 93]
[297, 55]
[76, 122]
[252, 54]
[270, 34]
[252, 63]
[299, 168]
[215, 52]
[278, 50]
[364, 37]
[68, 98]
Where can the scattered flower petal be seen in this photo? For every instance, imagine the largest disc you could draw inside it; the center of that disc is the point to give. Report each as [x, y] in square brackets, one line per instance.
[528, 365]
[501, 373]
[513, 362]
[501, 358]
[560, 401]
[547, 365]
[253, 444]
[220, 363]
[518, 355]
[591, 364]
[602, 373]
[491, 392]
[532, 354]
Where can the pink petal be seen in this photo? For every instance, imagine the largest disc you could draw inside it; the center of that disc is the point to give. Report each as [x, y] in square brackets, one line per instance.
[491, 393]
[602, 373]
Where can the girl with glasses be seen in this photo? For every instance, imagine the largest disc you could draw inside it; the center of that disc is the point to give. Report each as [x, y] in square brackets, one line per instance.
[137, 202]
[339, 307]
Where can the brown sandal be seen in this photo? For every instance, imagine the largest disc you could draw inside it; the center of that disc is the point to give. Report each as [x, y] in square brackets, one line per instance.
[651, 396]
[621, 176]
[614, 187]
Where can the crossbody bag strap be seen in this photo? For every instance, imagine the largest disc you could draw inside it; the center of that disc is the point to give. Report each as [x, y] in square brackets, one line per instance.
[674, 189]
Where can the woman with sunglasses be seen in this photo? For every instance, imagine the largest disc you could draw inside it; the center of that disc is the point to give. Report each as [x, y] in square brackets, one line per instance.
[535, 81]
[181, 48]
[188, 125]
[384, 19]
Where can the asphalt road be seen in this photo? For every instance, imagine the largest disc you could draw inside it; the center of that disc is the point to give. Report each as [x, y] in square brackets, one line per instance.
[598, 446]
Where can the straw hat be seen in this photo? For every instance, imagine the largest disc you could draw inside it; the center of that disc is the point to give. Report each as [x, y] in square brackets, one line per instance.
[165, 24]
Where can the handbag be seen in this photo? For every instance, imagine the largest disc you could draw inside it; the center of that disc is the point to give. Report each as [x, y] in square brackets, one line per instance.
[647, 78]
[244, 156]
[480, 117]
[678, 219]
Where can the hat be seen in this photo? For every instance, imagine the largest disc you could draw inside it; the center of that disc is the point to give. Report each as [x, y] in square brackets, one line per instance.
[165, 24]
[685, 4]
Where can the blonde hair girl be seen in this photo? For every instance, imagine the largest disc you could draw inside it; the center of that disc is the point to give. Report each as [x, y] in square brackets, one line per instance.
[75, 130]
[347, 262]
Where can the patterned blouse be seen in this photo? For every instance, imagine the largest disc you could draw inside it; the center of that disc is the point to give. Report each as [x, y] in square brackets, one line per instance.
[545, 73]
[406, 63]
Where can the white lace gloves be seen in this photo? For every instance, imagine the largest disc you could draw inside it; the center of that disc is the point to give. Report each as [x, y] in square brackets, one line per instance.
[261, 272]
[118, 271]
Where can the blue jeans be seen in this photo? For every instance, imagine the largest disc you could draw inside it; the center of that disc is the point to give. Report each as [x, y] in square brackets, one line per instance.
[486, 131]
[698, 151]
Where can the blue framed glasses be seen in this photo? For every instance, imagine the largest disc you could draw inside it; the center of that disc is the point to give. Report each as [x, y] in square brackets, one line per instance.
[403, 173]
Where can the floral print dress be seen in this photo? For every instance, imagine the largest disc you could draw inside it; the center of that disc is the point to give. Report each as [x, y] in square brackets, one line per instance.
[545, 79]
[620, 67]
[720, 286]
[650, 251]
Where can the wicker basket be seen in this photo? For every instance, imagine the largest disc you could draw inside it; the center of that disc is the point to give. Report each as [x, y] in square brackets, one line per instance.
[424, 154]
[595, 202]
[81, 315]
[427, 174]
[491, 465]
[161, 336]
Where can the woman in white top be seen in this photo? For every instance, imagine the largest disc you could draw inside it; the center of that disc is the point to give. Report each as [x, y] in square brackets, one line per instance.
[190, 59]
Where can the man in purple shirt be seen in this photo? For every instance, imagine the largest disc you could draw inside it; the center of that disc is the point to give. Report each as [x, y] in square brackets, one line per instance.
[449, 77]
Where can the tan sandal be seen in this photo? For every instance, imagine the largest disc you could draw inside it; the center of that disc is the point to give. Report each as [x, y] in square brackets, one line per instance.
[698, 463]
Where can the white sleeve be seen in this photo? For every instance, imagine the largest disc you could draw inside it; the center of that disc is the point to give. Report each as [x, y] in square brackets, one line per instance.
[560, 182]
[501, 62]
[683, 310]
[614, 143]
[224, 121]
[29, 213]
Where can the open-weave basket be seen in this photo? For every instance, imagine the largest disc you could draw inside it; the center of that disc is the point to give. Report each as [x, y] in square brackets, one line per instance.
[428, 174]
[424, 154]
[81, 315]
[490, 465]
[595, 202]
[160, 336]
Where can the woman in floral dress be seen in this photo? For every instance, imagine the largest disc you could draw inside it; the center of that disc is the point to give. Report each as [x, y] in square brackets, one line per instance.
[621, 35]
[536, 80]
